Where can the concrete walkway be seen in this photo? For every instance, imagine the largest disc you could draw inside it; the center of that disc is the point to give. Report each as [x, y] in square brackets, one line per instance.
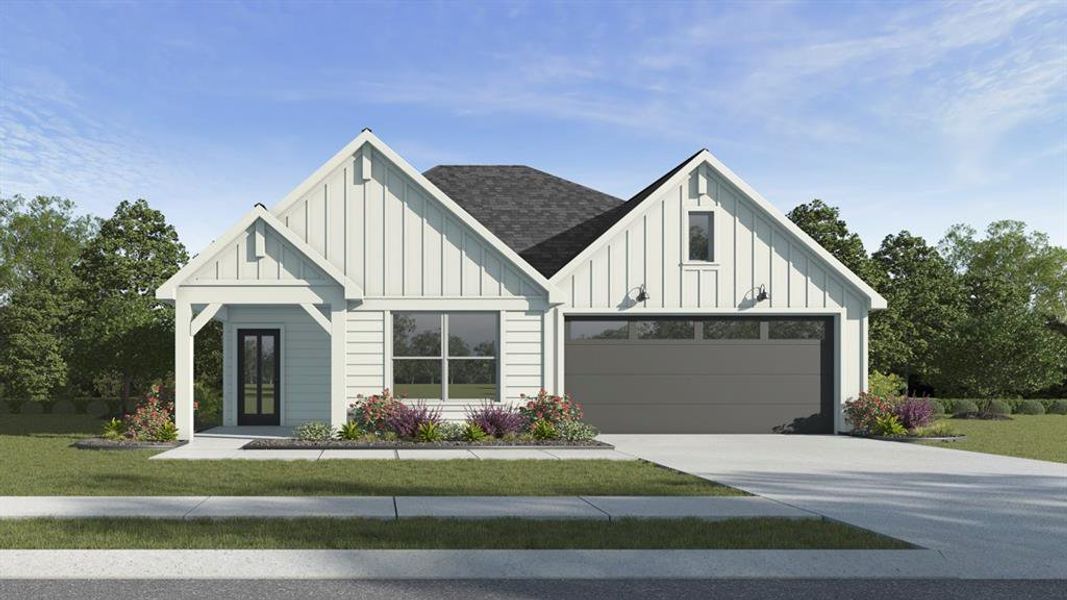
[991, 516]
[470, 564]
[397, 507]
[224, 443]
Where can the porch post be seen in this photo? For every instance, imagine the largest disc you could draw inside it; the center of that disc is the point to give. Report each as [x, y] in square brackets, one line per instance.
[183, 366]
[338, 363]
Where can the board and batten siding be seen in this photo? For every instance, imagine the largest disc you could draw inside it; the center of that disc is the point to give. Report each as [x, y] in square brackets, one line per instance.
[393, 239]
[750, 250]
[305, 361]
[281, 261]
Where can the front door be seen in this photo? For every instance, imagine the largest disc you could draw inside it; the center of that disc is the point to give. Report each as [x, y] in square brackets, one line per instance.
[258, 377]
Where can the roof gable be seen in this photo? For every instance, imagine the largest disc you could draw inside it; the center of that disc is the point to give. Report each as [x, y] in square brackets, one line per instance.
[257, 237]
[673, 178]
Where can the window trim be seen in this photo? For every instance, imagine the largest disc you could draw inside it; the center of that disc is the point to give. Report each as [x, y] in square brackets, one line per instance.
[442, 353]
[713, 249]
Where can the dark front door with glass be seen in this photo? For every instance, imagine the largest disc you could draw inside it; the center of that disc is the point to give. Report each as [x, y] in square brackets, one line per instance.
[258, 377]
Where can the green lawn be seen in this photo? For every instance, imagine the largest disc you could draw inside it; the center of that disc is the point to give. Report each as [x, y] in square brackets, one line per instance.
[1043, 437]
[37, 460]
[438, 534]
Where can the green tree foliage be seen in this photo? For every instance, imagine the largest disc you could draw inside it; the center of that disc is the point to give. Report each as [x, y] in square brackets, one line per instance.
[825, 225]
[40, 239]
[1008, 343]
[925, 298]
[124, 330]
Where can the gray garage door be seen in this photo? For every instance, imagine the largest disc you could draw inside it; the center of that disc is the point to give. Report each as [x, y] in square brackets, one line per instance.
[701, 374]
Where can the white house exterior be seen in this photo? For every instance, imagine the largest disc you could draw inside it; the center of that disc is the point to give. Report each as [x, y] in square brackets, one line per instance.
[506, 280]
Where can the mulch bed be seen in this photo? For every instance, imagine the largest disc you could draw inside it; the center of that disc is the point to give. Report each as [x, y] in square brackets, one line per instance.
[912, 439]
[291, 444]
[102, 444]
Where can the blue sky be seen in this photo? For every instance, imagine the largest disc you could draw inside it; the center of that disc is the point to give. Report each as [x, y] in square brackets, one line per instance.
[906, 115]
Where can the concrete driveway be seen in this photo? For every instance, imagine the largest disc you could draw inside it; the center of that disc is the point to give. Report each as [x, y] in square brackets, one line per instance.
[991, 516]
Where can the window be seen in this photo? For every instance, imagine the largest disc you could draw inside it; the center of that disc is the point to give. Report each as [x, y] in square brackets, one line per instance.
[664, 330]
[701, 236]
[615, 329]
[432, 348]
[796, 329]
[731, 329]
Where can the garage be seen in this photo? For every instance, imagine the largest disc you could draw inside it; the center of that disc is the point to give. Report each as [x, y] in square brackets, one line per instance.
[701, 374]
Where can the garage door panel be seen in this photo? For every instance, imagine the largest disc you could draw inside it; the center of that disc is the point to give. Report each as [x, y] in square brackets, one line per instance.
[605, 359]
[672, 418]
[635, 385]
[668, 389]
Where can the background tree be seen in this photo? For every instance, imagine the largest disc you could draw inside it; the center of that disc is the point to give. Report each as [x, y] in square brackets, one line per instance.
[825, 225]
[40, 239]
[124, 330]
[1007, 343]
[925, 302]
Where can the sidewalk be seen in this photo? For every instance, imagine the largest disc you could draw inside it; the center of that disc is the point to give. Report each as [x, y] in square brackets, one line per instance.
[397, 507]
[472, 564]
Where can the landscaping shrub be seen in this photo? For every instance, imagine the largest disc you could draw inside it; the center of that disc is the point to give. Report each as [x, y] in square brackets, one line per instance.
[14, 405]
[114, 430]
[405, 420]
[886, 385]
[208, 403]
[1030, 407]
[371, 413]
[551, 408]
[864, 411]
[429, 431]
[452, 431]
[474, 433]
[938, 406]
[350, 431]
[1058, 407]
[81, 405]
[997, 407]
[543, 429]
[965, 407]
[496, 420]
[576, 431]
[914, 412]
[888, 426]
[153, 421]
[314, 431]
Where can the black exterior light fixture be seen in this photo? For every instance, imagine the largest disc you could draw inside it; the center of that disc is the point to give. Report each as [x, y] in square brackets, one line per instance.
[642, 294]
[762, 295]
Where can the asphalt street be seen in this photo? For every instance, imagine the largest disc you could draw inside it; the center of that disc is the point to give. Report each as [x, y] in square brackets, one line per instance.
[784, 589]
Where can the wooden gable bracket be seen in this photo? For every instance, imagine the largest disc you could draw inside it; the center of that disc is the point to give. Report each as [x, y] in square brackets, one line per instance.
[316, 314]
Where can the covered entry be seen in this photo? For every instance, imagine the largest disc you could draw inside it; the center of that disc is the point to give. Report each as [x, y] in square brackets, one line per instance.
[701, 374]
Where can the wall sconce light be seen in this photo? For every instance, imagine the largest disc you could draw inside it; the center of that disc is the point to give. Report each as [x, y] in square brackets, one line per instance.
[762, 295]
[642, 294]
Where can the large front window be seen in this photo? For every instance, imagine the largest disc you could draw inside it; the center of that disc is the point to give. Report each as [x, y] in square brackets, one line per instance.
[447, 356]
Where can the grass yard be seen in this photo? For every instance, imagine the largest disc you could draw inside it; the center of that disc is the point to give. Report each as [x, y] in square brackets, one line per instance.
[37, 460]
[438, 534]
[1043, 437]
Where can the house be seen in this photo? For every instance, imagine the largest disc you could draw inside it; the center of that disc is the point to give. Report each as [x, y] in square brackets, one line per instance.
[693, 307]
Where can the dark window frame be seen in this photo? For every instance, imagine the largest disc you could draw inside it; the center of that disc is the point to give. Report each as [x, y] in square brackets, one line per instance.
[444, 357]
[710, 228]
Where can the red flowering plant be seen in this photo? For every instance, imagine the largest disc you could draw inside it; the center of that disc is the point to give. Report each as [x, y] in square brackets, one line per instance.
[372, 413]
[864, 411]
[153, 420]
[550, 407]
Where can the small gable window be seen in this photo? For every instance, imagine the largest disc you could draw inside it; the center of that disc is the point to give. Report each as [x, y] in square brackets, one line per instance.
[701, 236]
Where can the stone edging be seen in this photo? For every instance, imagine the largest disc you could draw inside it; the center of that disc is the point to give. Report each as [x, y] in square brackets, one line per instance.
[291, 444]
[102, 444]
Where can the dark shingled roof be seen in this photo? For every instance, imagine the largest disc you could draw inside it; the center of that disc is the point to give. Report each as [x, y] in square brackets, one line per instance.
[547, 220]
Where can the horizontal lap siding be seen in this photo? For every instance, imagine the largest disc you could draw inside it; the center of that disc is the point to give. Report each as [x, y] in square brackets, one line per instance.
[365, 353]
[305, 360]
[523, 359]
